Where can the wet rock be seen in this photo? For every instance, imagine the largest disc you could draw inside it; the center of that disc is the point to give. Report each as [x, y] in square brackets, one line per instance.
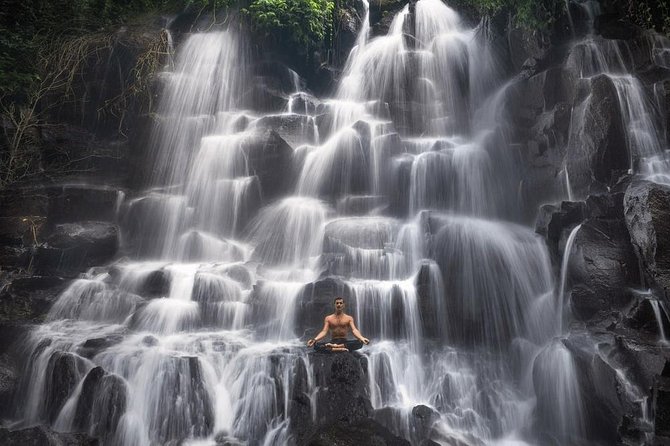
[433, 326]
[523, 44]
[348, 25]
[423, 418]
[9, 379]
[264, 98]
[553, 221]
[602, 400]
[180, 404]
[525, 101]
[604, 153]
[293, 128]
[278, 76]
[361, 204]
[382, 13]
[156, 284]
[366, 233]
[560, 85]
[43, 436]
[613, 27]
[26, 299]
[343, 408]
[342, 382]
[647, 215]
[75, 202]
[269, 158]
[300, 406]
[101, 403]
[241, 274]
[400, 185]
[64, 371]
[608, 206]
[603, 264]
[661, 404]
[304, 104]
[368, 432]
[92, 347]
[75, 246]
[641, 317]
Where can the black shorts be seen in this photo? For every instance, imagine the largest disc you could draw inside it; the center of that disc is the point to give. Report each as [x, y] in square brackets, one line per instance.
[349, 344]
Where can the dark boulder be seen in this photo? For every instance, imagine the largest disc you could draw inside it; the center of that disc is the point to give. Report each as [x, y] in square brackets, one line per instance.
[603, 265]
[156, 284]
[269, 157]
[43, 436]
[263, 97]
[64, 370]
[342, 383]
[101, 403]
[423, 418]
[602, 398]
[304, 104]
[300, 404]
[524, 43]
[343, 407]
[71, 247]
[647, 214]
[365, 432]
[599, 151]
[428, 282]
[642, 317]
[28, 299]
[93, 346]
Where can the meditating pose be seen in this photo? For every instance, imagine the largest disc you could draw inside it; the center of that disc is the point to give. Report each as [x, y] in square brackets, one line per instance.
[338, 324]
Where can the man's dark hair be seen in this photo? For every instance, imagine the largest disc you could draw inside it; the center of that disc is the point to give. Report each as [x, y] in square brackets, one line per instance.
[338, 298]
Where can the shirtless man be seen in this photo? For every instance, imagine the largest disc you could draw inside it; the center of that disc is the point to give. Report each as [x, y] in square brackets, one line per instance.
[339, 324]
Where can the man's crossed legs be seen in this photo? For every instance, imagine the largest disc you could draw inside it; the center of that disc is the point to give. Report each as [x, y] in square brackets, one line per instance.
[338, 345]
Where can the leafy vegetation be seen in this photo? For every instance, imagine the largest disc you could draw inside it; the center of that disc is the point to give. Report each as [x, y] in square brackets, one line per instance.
[531, 14]
[303, 22]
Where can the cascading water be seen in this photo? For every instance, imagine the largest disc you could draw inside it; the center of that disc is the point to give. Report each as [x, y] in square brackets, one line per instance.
[400, 196]
[640, 111]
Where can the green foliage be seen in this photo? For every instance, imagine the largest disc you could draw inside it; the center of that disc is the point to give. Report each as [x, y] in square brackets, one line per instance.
[304, 22]
[531, 14]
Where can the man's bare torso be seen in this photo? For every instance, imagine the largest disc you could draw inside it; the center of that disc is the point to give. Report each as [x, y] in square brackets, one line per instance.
[339, 325]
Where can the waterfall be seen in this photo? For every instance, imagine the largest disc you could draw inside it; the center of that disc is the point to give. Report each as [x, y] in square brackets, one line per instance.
[659, 311]
[396, 188]
[565, 263]
[592, 56]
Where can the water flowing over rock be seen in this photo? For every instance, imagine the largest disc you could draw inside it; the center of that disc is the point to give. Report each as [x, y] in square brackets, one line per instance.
[407, 192]
[646, 208]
